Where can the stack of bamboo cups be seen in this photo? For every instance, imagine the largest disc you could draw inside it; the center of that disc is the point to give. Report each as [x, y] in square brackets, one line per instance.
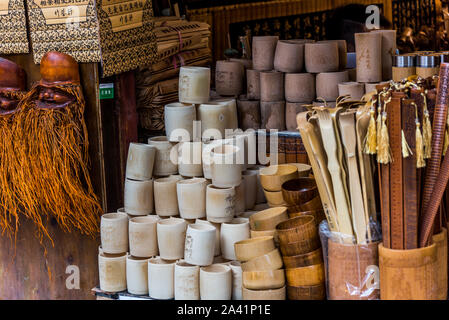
[272, 178]
[263, 277]
[303, 259]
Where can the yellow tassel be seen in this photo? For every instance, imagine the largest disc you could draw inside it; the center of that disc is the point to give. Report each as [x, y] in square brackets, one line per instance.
[406, 151]
[379, 124]
[427, 130]
[383, 156]
[446, 141]
[371, 136]
[420, 163]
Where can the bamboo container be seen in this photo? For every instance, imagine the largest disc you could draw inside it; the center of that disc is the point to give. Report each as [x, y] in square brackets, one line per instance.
[262, 280]
[305, 276]
[217, 234]
[112, 272]
[368, 47]
[240, 198]
[220, 203]
[229, 78]
[354, 90]
[315, 292]
[303, 260]
[388, 49]
[440, 241]
[194, 84]
[231, 111]
[137, 275]
[161, 278]
[321, 57]
[187, 281]
[199, 244]
[165, 196]
[297, 229]
[230, 233]
[299, 247]
[189, 159]
[351, 274]
[403, 66]
[269, 294]
[140, 161]
[171, 234]
[427, 65]
[226, 172]
[248, 113]
[271, 86]
[289, 56]
[268, 261]
[216, 282]
[408, 274]
[178, 119]
[272, 115]
[370, 87]
[236, 270]
[299, 87]
[192, 198]
[274, 176]
[342, 52]
[248, 249]
[317, 214]
[143, 236]
[207, 156]
[163, 164]
[291, 110]
[114, 233]
[327, 84]
[138, 197]
[253, 84]
[263, 49]
[268, 219]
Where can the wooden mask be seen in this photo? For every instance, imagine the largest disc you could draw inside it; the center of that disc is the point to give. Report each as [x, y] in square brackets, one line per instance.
[12, 85]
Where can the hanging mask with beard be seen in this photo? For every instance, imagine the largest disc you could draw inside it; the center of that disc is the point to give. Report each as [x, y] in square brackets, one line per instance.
[54, 150]
[12, 90]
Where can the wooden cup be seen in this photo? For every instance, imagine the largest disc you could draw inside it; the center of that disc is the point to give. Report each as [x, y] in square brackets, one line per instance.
[327, 84]
[248, 249]
[368, 47]
[263, 52]
[299, 191]
[305, 276]
[316, 292]
[271, 86]
[408, 274]
[352, 273]
[289, 56]
[299, 247]
[319, 215]
[299, 87]
[297, 229]
[248, 113]
[268, 219]
[321, 57]
[303, 260]
[269, 261]
[229, 78]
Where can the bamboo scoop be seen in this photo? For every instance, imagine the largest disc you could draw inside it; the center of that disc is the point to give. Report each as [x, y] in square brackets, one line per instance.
[330, 145]
[317, 158]
[366, 171]
[359, 214]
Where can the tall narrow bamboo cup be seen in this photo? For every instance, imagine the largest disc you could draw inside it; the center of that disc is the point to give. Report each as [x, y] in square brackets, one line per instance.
[368, 47]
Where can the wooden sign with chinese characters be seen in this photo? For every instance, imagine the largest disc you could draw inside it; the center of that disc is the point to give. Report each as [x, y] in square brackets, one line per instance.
[117, 33]
[63, 11]
[124, 15]
[13, 30]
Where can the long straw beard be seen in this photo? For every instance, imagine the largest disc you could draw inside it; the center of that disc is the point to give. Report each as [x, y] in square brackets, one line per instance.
[9, 213]
[53, 158]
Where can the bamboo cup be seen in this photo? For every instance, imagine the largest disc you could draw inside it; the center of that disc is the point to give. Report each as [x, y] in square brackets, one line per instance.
[272, 115]
[299, 87]
[262, 280]
[268, 219]
[268, 261]
[112, 272]
[220, 203]
[199, 244]
[321, 57]
[354, 90]
[248, 113]
[297, 229]
[291, 110]
[271, 86]
[187, 281]
[137, 275]
[368, 47]
[263, 52]
[114, 233]
[327, 84]
[138, 197]
[408, 274]
[316, 292]
[140, 162]
[171, 235]
[440, 241]
[342, 52]
[192, 197]
[229, 78]
[305, 276]
[143, 236]
[217, 226]
[194, 84]
[230, 233]
[289, 56]
[165, 196]
[178, 119]
[216, 282]
[189, 159]
[274, 176]
[268, 294]
[303, 260]
[299, 247]
[352, 271]
[161, 278]
[253, 84]
[163, 166]
[248, 249]
[236, 270]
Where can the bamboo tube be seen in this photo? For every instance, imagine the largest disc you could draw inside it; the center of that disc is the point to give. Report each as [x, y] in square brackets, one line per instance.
[352, 273]
[440, 241]
[408, 274]
[368, 47]
[388, 49]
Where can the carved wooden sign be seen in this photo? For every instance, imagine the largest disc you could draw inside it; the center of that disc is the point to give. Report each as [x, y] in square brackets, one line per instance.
[63, 11]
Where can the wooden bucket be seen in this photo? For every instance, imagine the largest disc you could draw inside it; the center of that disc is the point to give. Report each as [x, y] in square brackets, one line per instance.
[408, 274]
[352, 271]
